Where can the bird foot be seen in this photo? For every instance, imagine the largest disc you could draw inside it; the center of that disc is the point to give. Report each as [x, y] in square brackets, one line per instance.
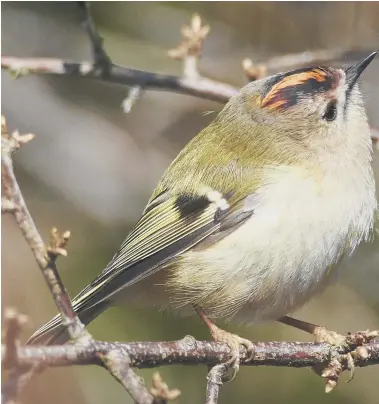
[322, 334]
[348, 349]
[234, 342]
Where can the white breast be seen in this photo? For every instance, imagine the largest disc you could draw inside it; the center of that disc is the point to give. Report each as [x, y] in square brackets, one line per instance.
[286, 251]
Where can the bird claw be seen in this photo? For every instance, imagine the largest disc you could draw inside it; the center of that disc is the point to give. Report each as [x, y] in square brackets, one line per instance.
[234, 342]
[348, 348]
[350, 366]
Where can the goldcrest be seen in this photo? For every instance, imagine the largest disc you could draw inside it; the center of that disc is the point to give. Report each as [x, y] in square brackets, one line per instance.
[256, 213]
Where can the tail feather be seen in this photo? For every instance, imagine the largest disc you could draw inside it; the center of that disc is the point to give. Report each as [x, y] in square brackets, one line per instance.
[54, 332]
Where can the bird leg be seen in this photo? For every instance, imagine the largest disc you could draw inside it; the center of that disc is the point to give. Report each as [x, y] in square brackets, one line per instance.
[322, 334]
[232, 340]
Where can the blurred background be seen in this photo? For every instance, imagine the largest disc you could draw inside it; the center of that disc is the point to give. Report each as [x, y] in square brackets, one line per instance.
[91, 169]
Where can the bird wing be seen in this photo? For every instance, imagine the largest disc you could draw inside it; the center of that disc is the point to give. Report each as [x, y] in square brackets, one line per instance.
[170, 225]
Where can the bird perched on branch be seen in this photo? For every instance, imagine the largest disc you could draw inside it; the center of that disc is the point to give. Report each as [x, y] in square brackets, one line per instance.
[254, 215]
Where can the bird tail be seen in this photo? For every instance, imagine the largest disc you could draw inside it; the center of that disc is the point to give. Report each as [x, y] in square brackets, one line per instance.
[54, 332]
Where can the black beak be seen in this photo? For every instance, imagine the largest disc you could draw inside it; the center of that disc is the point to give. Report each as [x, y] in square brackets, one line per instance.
[353, 72]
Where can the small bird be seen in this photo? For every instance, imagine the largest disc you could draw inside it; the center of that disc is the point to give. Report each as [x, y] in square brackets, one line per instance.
[255, 214]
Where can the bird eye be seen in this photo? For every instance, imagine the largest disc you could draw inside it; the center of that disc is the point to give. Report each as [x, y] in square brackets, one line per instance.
[330, 112]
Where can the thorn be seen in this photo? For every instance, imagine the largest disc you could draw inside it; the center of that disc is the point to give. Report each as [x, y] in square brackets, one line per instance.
[350, 366]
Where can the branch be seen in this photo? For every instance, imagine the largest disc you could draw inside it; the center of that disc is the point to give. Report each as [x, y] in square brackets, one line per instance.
[45, 257]
[201, 87]
[188, 351]
[121, 357]
[99, 55]
[214, 382]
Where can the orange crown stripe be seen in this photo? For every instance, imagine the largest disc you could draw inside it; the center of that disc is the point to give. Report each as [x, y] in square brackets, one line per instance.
[293, 80]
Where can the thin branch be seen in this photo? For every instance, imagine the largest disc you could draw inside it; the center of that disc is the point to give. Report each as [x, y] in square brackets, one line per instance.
[19, 373]
[201, 88]
[119, 358]
[100, 57]
[118, 364]
[214, 382]
[14, 383]
[46, 261]
[14, 323]
[145, 354]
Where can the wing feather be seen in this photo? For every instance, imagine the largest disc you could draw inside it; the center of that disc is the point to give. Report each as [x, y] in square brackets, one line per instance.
[166, 229]
[160, 229]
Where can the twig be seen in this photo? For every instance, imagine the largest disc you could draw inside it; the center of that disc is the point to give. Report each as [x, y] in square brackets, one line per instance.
[145, 354]
[201, 88]
[100, 57]
[46, 262]
[118, 363]
[119, 358]
[214, 382]
[14, 323]
[14, 383]
[18, 374]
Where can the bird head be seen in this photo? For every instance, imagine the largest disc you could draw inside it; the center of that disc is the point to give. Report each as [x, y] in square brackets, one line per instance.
[317, 110]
